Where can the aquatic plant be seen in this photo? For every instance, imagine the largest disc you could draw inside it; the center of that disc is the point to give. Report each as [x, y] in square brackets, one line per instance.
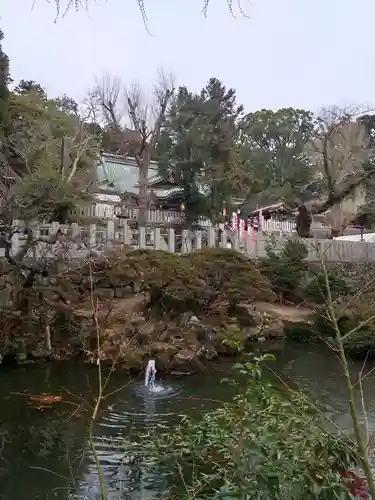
[263, 445]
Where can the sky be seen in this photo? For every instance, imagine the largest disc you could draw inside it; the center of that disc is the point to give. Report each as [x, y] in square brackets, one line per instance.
[299, 53]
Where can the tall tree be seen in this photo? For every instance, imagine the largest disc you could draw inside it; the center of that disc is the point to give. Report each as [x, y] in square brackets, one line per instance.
[196, 146]
[271, 155]
[145, 117]
[50, 153]
[341, 155]
[26, 87]
[6, 173]
[4, 81]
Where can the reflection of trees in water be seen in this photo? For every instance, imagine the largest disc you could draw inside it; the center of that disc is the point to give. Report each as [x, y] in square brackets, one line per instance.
[125, 479]
[45, 451]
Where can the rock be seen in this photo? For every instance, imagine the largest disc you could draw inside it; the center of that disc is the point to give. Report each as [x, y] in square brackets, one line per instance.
[203, 334]
[245, 315]
[148, 329]
[186, 362]
[274, 330]
[173, 335]
[104, 293]
[123, 292]
[194, 319]
[137, 320]
[131, 359]
[207, 352]
[186, 318]
[162, 353]
[160, 347]
[271, 329]
[39, 354]
[144, 333]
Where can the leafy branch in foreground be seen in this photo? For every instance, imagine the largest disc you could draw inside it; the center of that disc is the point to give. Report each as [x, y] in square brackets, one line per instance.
[340, 343]
[262, 445]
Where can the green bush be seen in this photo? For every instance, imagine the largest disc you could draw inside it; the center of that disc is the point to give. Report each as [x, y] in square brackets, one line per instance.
[199, 282]
[315, 290]
[265, 445]
[300, 332]
[285, 269]
[350, 316]
[232, 275]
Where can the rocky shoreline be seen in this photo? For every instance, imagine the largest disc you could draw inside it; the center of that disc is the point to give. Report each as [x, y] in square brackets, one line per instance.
[183, 347]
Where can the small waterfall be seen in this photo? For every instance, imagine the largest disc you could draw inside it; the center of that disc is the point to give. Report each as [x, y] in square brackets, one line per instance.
[150, 374]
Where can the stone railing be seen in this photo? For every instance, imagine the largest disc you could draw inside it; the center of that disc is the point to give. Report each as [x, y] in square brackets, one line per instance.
[74, 241]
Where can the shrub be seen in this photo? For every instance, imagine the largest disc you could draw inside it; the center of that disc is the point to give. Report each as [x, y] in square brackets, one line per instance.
[285, 269]
[264, 445]
[233, 276]
[300, 332]
[198, 282]
[315, 289]
[350, 316]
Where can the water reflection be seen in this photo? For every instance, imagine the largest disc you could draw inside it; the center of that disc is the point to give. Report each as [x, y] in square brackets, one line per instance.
[49, 449]
[318, 372]
[123, 476]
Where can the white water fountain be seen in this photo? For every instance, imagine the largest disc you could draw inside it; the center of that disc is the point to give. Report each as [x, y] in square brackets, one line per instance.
[150, 375]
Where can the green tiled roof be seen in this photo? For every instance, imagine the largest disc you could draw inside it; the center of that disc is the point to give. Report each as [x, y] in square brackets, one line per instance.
[120, 174]
[166, 193]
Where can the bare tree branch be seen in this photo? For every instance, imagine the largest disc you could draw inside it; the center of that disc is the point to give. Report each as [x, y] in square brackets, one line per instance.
[339, 151]
[145, 117]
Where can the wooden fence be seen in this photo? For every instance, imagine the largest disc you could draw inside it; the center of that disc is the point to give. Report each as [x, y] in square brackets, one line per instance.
[78, 242]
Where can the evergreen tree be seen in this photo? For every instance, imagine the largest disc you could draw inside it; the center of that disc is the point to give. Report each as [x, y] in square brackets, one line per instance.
[196, 146]
[4, 82]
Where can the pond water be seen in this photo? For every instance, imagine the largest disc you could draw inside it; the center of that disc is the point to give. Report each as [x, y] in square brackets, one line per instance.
[44, 451]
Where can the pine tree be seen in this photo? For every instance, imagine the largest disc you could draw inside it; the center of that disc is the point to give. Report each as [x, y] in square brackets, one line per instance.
[197, 144]
[221, 117]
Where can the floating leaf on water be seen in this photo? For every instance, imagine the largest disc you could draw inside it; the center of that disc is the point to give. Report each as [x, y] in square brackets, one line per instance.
[46, 398]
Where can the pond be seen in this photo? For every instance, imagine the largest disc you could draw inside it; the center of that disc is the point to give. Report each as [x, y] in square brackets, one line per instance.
[44, 451]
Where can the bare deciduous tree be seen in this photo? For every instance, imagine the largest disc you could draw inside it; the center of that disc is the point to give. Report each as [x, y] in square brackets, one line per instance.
[136, 117]
[63, 7]
[339, 152]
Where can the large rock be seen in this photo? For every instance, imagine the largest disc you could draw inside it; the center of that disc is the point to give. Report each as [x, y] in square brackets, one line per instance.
[246, 315]
[186, 362]
[176, 336]
[131, 359]
[162, 353]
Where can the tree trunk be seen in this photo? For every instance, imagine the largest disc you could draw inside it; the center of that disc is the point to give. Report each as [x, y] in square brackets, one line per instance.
[303, 222]
[143, 192]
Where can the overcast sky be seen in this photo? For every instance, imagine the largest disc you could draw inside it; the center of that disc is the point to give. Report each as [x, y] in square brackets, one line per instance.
[300, 53]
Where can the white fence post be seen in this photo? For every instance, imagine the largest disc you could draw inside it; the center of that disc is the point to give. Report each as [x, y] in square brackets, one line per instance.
[211, 243]
[110, 233]
[142, 237]
[92, 235]
[37, 245]
[223, 239]
[157, 237]
[198, 240]
[171, 240]
[126, 232]
[16, 240]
